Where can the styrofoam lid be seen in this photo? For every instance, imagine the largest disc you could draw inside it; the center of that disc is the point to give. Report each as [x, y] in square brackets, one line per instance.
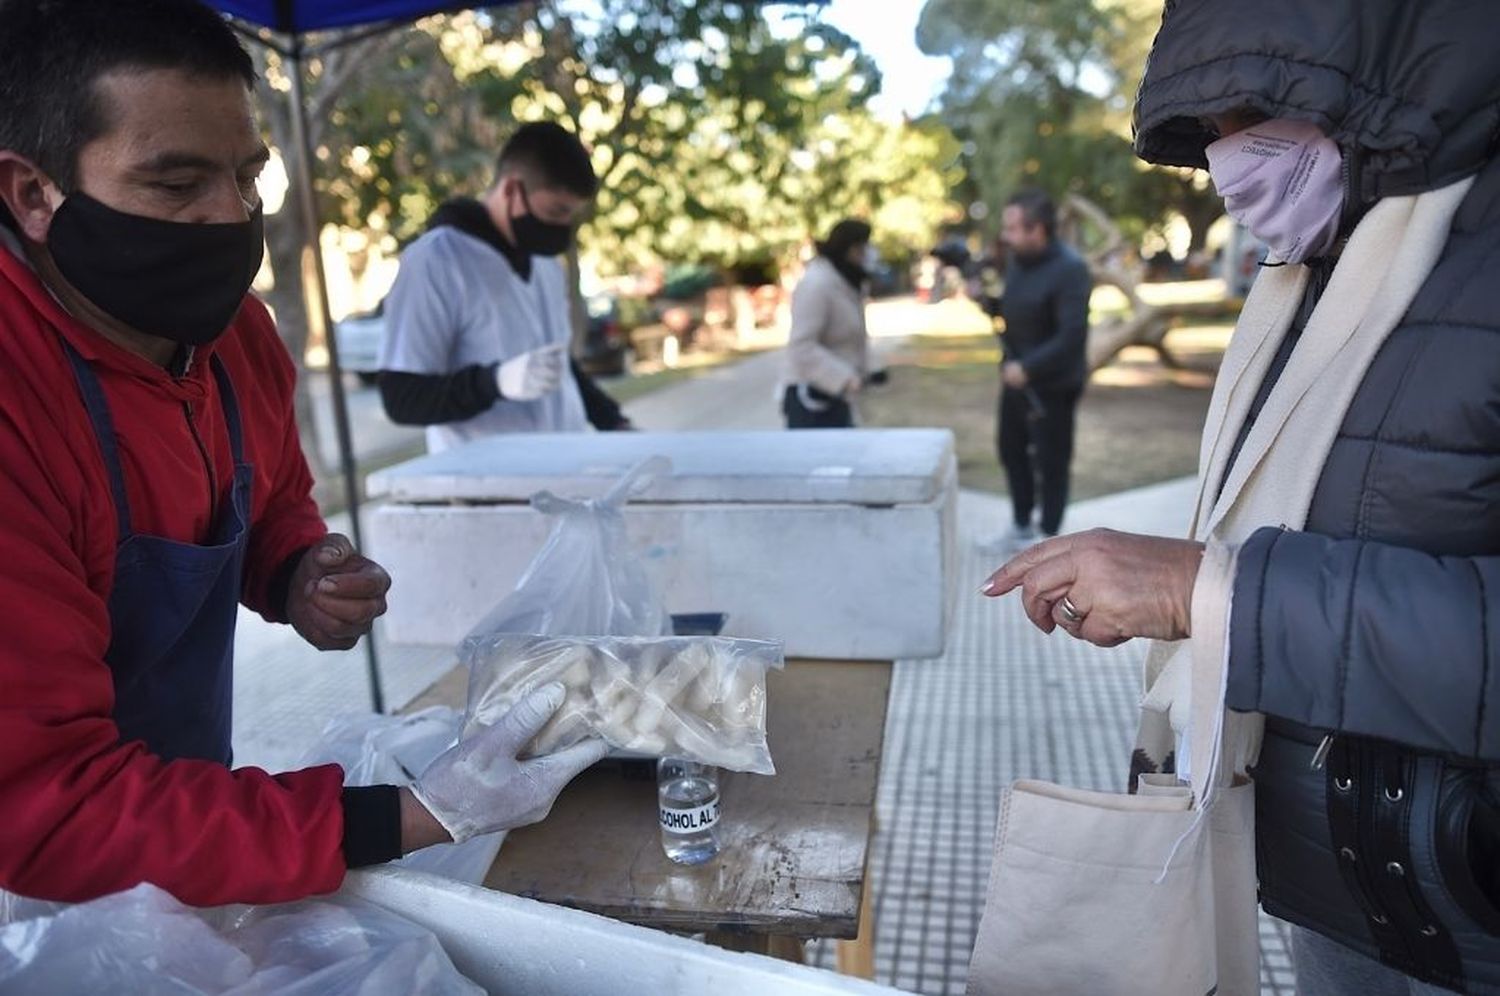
[856, 466]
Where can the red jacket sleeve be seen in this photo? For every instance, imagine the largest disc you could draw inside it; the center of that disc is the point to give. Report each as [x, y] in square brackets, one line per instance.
[286, 519]
[85, 815]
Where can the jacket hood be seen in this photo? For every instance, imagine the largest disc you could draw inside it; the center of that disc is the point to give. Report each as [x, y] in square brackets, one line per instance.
[1411, 89]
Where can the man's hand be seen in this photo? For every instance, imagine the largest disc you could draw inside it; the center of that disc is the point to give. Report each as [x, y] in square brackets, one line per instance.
[1117, 585]
[1014, 375]
[480, 786]
[335, 594]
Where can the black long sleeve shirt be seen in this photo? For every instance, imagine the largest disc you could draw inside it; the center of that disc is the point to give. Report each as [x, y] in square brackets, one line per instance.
[432, 399]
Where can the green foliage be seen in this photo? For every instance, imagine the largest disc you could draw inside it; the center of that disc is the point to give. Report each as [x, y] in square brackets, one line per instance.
[722, 137]
[1041, 94]
[408, 134]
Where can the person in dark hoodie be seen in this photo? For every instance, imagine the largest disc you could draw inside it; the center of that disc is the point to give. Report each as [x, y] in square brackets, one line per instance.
[478, 322]
[1358, 139]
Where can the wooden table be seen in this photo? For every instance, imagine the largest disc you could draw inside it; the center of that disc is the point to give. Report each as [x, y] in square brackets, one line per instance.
[795, 846]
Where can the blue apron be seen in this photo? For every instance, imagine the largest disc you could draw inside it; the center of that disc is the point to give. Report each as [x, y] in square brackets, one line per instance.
[173, 605]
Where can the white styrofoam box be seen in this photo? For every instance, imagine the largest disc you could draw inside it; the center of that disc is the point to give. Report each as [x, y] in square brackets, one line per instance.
[848, 466]
[838, 543]
[511, 945]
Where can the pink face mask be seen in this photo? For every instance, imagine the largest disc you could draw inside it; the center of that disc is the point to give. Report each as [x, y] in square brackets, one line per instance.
[1283, 180]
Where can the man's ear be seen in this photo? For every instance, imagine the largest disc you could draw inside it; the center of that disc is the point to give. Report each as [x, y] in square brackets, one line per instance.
[24, 190]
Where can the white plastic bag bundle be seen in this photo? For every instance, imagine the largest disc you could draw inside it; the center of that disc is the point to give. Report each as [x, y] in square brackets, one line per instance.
[585, 581]
[393, 750]
[144, 941]
[702, 698]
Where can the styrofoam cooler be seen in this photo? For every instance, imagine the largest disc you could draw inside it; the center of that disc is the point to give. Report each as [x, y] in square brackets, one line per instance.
[838, 542]
[511, 945]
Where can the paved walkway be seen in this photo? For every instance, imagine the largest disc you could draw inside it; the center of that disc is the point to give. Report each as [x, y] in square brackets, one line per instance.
[1004, 702]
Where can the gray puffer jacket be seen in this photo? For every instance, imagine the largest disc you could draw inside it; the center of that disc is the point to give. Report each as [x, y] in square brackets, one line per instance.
[1371, 638]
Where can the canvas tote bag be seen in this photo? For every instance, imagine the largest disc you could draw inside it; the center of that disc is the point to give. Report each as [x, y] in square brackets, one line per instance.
[1101, 892]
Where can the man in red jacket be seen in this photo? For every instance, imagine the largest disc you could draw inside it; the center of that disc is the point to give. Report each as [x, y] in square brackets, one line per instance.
[151, 480]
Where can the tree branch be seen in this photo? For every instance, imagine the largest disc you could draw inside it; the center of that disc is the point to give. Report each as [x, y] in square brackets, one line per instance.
[340, 66]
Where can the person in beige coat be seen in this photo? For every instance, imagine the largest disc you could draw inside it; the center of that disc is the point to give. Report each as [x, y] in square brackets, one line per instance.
[828, 357]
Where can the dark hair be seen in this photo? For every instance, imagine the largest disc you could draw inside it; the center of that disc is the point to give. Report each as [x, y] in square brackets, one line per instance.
[549, 155]
[847, 233]
[52, 53]
[1037, 207]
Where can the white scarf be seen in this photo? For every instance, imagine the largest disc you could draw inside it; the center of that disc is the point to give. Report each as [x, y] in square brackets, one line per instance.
[1387, 259]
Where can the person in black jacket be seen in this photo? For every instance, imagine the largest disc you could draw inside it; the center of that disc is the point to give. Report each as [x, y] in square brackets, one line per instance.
[1370, 636]
[1044, 365]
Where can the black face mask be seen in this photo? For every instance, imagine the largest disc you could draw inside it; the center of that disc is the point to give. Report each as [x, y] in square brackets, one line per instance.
[180, 281]
[538, 237]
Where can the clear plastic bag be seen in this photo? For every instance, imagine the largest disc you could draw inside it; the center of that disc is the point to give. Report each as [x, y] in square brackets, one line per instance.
[393, 750]
[144, 941]
[702, 698]
[585, 581]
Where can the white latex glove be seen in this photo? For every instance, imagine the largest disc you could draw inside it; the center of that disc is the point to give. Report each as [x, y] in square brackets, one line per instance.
[479, 786]
[531, 375]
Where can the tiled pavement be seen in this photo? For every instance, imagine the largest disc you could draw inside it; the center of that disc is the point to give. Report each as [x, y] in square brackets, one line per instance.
[1004, 702]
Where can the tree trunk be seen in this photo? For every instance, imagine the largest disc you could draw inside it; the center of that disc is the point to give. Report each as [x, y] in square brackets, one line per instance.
[1146, 324]
[286, 237]
[287, 247]
[286, 243]
[1106, 340]
[1198, 226]
[1201, 212]
[577, 313]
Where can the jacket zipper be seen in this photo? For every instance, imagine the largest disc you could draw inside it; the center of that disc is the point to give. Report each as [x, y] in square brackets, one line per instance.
[1320, 756]
[208, 467]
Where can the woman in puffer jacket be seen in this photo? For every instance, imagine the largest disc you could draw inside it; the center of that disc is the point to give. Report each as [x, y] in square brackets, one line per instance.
[1364, 609]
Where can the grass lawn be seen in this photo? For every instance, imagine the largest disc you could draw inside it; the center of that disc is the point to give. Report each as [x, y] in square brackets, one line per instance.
[1138, 422]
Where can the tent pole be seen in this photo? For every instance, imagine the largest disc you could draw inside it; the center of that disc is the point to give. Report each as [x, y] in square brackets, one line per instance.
[316, 298]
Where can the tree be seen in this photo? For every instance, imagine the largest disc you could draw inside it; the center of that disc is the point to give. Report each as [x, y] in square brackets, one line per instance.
[696, 114]
[1143, 324]
[395, 130]
[1038, 92]
[286, 235]
[727, 206]
[720, 135]
[407, 119]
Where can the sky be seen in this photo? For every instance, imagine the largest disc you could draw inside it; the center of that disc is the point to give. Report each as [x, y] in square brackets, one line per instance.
[886, 29]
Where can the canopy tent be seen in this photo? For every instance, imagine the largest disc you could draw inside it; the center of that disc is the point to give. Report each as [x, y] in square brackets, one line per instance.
[290, 21]
[289, 17]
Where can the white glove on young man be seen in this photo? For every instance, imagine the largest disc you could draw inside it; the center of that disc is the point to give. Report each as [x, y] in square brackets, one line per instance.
[480, 787]
[531, 375]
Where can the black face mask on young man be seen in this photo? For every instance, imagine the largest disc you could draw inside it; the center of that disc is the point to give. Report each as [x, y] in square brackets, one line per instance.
[176, 280]
[538, 237]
